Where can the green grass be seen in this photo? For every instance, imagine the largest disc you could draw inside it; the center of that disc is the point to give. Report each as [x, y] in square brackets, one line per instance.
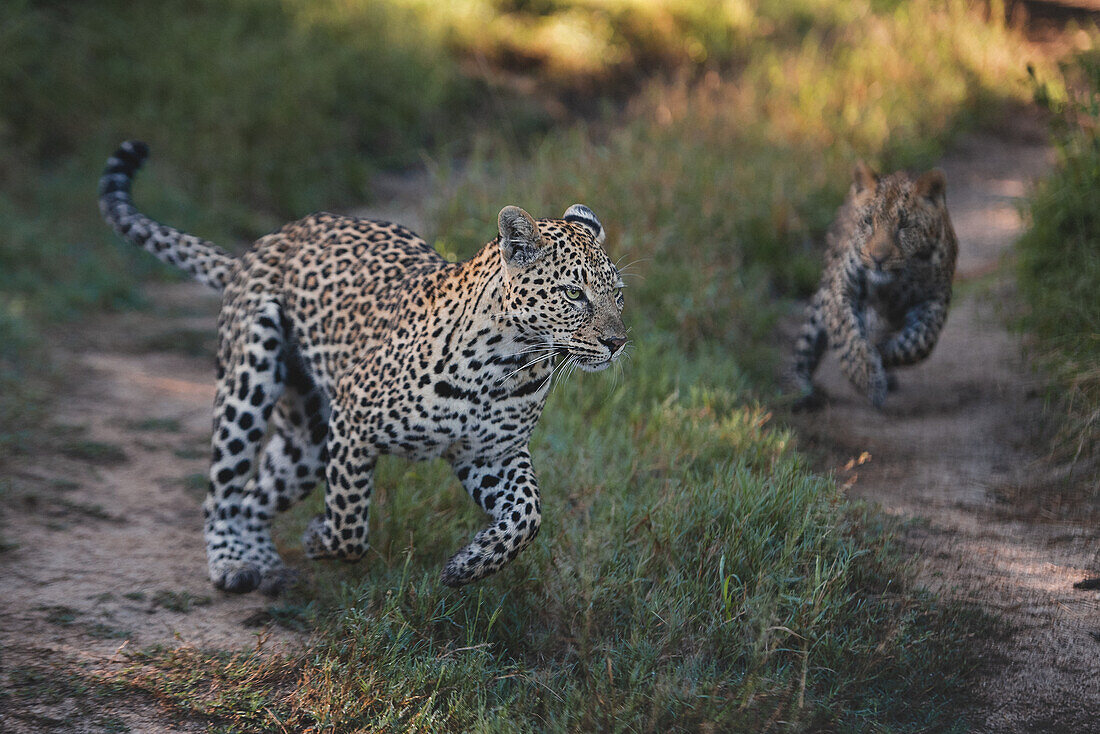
[1059, 265]
[709, 581]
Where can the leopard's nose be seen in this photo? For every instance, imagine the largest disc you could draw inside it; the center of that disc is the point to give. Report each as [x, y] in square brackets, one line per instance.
[614, 343]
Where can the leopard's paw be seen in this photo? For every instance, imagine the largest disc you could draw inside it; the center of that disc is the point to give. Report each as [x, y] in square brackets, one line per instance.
[315, 540]
[237, 578]
[321, 543]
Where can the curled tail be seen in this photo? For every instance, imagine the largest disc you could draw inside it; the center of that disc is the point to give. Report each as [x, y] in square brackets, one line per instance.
[205, 261]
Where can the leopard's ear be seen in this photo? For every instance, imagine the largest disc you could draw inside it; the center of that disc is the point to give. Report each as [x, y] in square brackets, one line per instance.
[520, 241]
[864, 178]
[932, 186]
[582, 215]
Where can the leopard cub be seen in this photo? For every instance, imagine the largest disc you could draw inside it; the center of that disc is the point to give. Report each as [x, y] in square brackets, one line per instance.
[883, 297]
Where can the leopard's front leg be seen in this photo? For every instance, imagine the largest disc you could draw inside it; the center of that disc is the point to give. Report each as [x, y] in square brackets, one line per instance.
[859, 359]
[342, 531]
[507, 490]
[915, 340]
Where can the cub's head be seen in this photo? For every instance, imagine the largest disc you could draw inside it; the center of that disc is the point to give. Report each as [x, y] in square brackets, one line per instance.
[561, 289]
[900, 220]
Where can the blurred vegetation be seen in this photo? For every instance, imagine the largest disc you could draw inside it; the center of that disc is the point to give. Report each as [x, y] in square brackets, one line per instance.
[692, 571]
[1059, 263]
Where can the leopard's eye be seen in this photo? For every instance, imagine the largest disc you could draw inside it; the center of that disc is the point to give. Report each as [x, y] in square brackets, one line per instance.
[574, 294]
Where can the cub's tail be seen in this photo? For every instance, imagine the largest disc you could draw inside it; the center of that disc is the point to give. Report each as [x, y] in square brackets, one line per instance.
[205, 261]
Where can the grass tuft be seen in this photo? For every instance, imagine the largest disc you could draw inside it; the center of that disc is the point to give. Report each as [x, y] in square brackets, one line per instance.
[180, 601]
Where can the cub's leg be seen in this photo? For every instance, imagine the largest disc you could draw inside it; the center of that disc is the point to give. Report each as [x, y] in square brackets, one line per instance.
[293, 463]
[915, 340]
[505, 488]
[811, 344]
[859, 360]
[250, 382]
[342, 531]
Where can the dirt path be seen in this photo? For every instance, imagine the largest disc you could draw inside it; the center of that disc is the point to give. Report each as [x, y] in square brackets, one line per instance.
[955, 451]
[105, 521]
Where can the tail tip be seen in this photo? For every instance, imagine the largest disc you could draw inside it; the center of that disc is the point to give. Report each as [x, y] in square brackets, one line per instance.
[135, 148]
[120, 169]
[128, 157]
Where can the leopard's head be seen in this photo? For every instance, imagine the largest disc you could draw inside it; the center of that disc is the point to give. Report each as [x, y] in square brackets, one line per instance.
[900, 220]
[561, 289]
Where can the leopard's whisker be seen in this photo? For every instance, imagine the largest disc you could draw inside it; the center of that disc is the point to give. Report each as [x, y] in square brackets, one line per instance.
[623, 268]
[520, 369]
[530, 350]
[558, 368]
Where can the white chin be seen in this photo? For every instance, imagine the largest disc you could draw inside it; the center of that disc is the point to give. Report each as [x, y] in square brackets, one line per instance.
[597, 367]
[879, 277]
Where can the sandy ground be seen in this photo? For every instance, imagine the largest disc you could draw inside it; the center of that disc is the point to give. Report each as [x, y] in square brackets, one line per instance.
[104, 525]
[958, 452]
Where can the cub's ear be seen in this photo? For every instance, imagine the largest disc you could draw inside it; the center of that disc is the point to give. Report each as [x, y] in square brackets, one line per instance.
[582, 215]
[864, 178]
[932, 186]
[520, 242]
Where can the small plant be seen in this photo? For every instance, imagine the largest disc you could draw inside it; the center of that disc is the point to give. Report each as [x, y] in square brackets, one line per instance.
[179, 601]
[103, 631]
[60, 615]
[94, 452]
[159, 425]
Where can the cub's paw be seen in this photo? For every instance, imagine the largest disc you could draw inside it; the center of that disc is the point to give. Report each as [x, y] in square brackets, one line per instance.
[877, 388]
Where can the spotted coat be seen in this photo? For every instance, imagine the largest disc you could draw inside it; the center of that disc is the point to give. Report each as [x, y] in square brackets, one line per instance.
[344, 339]
[884, 295]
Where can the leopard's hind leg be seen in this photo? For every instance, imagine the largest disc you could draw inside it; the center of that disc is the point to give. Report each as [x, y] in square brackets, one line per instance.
[251, 379]
[292, 465]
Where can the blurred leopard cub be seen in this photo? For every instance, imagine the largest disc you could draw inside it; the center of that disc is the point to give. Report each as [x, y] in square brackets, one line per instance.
[883, 297]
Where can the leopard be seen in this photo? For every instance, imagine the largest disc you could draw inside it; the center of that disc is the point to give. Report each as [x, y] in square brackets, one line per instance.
[884, 294]
[345, 339]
